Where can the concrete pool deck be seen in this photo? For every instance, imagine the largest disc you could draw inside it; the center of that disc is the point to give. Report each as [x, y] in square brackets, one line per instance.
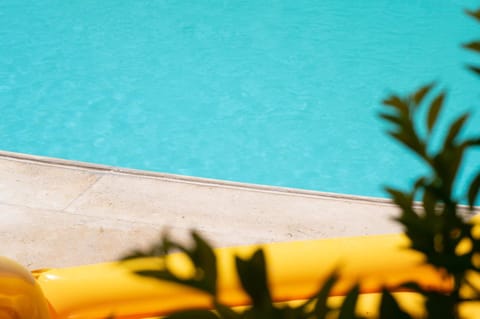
[57, 213]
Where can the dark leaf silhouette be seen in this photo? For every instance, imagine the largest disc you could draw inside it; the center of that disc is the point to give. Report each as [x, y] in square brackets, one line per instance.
[474, 14]
[389, 308]
[193, 314]
[201, 255]
[226, 312]
[434, 111]
[474, 69]
[421, 93]
[473, 191]
[253, 276]
[347, 310]
[397, 103]
[321, 307]
[204, 259]
[455, 128]
[392, 118]
[474, 46]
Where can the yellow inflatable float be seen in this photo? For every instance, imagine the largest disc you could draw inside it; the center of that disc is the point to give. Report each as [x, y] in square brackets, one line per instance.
[296, 270]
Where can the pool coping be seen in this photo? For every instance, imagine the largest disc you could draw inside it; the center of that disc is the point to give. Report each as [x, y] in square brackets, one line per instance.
[185, 178]
[58, 213]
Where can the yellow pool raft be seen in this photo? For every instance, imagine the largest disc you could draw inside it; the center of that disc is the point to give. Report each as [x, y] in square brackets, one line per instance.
[296, 271]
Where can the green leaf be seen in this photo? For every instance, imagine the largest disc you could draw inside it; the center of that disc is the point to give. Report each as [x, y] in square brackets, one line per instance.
[389, 308]
[474, 46]
[473, 191]
[166, 245]
[404, 139]
[392, 118]
[288, 312]
[474, 69]
[420, 183]
[411, 285]
[401, 199]
[157, 274]
[429, 202]
[397, 103]
[204, 258]
[253, 277]
[159, 249]
[193, 314]
[226, 312]
[472, 142]
[474, 14]
[166, 275]
[420, 93]
[435, 108]
[453, 161]
[441, 306]
[321, 308]
[135, 254]
[455, 128]
[347, 310]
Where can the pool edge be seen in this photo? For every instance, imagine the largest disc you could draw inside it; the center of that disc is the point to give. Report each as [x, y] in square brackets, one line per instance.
[52, 161]
[58, 213]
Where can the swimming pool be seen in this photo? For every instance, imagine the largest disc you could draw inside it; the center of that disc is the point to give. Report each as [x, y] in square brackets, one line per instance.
[270, 92]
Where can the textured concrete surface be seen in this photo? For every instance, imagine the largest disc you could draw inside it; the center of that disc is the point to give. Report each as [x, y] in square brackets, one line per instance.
[58, 213]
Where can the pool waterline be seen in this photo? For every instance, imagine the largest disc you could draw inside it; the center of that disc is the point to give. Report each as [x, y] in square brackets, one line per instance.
[185, 178]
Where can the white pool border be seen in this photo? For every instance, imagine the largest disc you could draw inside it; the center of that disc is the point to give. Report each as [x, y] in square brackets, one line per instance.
[184, 178]
[59, 213]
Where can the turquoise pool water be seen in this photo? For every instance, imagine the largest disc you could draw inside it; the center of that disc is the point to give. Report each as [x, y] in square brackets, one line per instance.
[270, 92]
